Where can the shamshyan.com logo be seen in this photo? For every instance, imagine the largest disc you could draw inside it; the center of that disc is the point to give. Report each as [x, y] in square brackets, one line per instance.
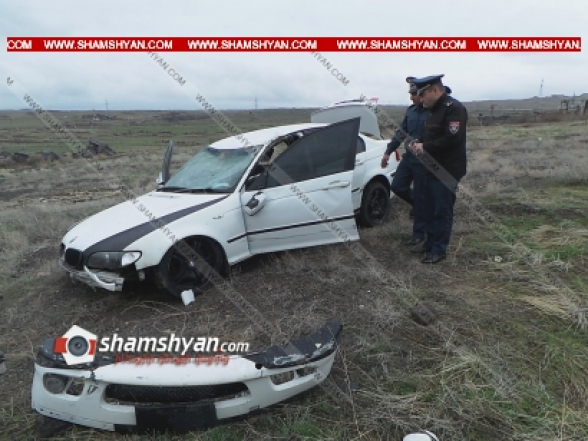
[78, 346]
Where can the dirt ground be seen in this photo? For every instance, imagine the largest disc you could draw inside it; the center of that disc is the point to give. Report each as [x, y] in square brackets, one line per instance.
[506, 360]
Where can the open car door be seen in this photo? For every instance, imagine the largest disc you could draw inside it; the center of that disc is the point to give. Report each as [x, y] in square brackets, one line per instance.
[304, 197]
[165, 174]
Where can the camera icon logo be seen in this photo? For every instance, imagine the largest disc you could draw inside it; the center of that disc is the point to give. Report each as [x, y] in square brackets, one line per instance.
[77, 346]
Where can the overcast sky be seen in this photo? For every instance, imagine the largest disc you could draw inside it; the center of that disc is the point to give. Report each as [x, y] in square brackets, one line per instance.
[78, 80]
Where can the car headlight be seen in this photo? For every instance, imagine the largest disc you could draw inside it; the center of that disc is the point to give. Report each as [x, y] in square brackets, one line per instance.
[55, 383]
[112, 260]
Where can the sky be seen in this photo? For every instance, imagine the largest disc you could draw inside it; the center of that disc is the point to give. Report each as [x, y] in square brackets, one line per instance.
[234, 80]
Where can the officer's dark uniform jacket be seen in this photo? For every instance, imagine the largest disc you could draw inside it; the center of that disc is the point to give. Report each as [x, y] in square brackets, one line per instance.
[412, 127]
[444, 136]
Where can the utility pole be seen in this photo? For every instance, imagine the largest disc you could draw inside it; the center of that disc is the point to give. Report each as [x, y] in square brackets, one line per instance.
[255, 103]
[541, 95]
[106, 105]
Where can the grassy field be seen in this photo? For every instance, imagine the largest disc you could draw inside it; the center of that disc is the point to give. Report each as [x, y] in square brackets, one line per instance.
[511, 362]
[131, 131]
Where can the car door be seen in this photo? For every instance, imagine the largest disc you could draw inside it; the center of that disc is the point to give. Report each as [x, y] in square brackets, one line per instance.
[358, 173]
[304, 197]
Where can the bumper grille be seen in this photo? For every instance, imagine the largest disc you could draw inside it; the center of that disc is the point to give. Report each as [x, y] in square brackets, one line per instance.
[73, 258]
[172, 394]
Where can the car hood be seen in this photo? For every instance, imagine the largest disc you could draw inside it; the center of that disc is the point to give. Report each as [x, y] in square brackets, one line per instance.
[134, 219]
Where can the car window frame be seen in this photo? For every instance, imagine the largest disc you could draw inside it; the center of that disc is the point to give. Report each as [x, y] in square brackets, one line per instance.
[349, 162]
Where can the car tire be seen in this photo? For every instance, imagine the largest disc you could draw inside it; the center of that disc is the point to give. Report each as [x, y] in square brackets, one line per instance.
[375, 205]
[176, 273]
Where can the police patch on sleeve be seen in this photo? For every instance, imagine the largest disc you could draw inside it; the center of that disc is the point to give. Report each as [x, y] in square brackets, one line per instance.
[454, 127]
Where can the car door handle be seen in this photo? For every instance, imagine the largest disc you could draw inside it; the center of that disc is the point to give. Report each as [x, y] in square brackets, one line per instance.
[336, 184]
[358, 162]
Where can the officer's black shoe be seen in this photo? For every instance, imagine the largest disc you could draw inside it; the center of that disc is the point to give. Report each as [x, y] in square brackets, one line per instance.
[413, 241]
[434, 258]
[411, 214]
[420, 250]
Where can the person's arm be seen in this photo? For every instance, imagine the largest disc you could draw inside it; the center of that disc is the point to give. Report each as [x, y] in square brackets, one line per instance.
[453, 132]
[398, 137]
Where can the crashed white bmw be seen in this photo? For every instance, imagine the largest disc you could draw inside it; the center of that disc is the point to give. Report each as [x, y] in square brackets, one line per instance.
[268, 190]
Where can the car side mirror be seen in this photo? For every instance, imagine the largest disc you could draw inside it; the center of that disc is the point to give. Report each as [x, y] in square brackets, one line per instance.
[255, 204]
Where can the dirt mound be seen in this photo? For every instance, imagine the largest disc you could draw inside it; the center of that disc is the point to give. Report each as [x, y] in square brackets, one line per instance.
[29, 158]
[95, 148]
[49, 156]
[19, 157]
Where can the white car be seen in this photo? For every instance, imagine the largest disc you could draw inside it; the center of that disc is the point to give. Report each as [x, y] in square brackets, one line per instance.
[268, 190]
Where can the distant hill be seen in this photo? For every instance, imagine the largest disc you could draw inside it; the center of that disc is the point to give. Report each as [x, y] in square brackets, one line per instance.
[504, 108]
[535, 103]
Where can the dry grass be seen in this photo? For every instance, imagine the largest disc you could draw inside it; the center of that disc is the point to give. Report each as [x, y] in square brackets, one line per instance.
[548, 236]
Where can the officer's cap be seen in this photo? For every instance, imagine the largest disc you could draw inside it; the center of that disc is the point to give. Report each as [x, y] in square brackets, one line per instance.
[426, 82]
[412, 89]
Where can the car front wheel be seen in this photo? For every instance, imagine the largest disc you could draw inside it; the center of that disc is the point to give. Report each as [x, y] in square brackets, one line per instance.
[375, 204]
[192, 263]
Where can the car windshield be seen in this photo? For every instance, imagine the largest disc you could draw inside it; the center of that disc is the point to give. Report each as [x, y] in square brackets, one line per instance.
[214, 170]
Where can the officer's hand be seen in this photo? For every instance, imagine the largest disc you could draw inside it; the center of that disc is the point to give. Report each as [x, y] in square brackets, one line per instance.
[417, 148]
[384, 162]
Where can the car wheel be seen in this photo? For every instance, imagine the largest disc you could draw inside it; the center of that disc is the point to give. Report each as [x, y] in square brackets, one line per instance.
[178, 272]
[375, 204]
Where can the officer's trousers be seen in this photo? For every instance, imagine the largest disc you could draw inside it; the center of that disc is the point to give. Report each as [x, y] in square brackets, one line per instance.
[411, 170]
[440, 200]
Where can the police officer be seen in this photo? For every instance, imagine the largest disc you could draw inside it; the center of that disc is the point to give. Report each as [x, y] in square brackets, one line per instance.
[444, 140]
[410, 168]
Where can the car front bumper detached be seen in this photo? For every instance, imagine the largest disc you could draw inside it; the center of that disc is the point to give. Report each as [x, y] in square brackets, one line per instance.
[132, 397]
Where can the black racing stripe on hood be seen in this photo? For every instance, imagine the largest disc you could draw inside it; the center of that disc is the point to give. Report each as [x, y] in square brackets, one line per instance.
[120, 241]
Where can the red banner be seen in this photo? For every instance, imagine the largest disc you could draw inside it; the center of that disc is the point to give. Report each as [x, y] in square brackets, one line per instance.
[290, 44]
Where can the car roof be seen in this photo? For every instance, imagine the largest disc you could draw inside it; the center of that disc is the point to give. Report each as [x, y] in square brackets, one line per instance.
[262, 136]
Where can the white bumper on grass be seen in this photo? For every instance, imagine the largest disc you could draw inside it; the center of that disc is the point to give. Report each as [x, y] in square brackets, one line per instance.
[181, 397]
